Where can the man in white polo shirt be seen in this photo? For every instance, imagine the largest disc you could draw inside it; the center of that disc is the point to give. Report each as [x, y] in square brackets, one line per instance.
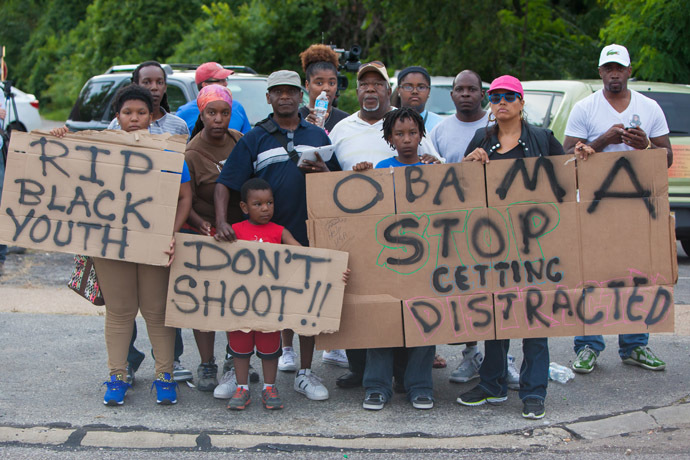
[359, 137]
[614, 119]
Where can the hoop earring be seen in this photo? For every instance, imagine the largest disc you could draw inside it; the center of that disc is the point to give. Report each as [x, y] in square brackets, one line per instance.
[522, 115]
[492, 120]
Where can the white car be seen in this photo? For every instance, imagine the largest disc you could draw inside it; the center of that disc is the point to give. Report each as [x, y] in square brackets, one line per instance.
[28, 118]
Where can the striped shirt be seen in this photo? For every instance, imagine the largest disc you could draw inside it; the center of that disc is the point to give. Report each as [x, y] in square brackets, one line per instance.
[168, 123]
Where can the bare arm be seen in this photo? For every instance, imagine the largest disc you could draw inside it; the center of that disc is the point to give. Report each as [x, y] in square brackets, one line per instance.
[221, 197]
[289, 239]
[663, 142]
[184, 205]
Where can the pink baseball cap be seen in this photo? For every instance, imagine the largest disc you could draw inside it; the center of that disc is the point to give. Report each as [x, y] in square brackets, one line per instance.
[211, 71]
[507, 82]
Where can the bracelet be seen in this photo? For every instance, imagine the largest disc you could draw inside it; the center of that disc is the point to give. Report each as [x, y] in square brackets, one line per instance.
[650, 144]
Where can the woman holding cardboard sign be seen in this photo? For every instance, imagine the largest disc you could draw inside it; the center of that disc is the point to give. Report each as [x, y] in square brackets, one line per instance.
[511, 137]
[206, 154]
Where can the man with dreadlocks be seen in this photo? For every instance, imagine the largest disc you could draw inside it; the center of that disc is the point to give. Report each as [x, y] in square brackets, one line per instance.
[150, 75]
[320, 65]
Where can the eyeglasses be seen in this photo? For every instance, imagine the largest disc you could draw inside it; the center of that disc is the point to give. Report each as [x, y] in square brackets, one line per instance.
[410, 88]
[509, 97]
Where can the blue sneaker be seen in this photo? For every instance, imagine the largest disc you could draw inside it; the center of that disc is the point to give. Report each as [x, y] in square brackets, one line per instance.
[116, 389]
[166, 393]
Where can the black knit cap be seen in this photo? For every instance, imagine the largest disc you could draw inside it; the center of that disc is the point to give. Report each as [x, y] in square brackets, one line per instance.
[413, 69]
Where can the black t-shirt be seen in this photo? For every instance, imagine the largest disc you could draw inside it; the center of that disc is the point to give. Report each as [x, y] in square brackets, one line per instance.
[336, 116]
[516, 152]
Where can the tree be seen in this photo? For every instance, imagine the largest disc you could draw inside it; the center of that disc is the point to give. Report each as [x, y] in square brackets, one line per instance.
[657, 35]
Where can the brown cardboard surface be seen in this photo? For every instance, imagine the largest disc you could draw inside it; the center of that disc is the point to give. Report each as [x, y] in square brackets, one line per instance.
[535, 312]
[535, 241]
[366, 322]
[222, 286]
[348, 193]
[635, 243]
[629, 310]
[541, 179]
[434, 188]
[454, 319]
[541, 245]
[357, 236]
[56, 198]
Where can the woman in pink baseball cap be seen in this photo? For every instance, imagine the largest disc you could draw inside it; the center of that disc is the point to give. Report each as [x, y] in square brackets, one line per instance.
[511, 136]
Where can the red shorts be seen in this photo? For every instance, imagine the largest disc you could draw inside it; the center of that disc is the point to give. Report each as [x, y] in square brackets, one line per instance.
[242, 344]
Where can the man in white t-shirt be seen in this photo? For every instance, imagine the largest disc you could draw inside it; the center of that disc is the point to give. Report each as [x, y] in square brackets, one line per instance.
[452, 136]
[359, 137]
[616, 118]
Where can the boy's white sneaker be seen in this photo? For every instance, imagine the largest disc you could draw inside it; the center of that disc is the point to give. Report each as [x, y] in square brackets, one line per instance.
[307, 383]
[286, 362]
[227, 385]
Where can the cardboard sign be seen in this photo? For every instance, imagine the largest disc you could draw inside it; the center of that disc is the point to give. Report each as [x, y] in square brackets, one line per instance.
[108, 194]
[506, 250]
[220, 286]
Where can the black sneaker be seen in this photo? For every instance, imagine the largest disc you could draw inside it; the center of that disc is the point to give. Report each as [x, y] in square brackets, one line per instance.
[422, 402]
[130, 375]
[374, 401]
[477, 396]
[533, 408]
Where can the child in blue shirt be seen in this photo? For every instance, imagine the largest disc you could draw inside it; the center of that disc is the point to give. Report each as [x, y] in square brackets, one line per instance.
[403, 129]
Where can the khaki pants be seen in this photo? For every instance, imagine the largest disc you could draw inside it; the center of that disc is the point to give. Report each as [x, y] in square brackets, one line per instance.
[127, 288]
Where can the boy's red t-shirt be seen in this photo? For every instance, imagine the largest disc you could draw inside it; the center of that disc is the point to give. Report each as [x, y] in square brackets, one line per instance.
[267, 233]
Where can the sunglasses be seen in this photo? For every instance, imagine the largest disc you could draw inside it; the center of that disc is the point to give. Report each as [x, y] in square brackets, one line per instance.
[509, 97]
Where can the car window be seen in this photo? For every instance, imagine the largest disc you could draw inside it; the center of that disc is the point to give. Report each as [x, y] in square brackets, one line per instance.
[91, 101]
[440, 101]
[541, 107]
[252, 95]
[176, 97]
[675, 107]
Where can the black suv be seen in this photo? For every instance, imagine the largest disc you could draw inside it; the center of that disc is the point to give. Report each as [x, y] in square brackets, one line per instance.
[94, 110]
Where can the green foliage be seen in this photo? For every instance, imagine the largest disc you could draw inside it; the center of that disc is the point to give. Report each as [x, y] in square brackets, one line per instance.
[266, 35]
[17, 20]
[116, 32]
[657, 35]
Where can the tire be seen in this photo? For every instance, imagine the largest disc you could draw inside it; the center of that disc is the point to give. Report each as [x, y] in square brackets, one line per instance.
[686, 246]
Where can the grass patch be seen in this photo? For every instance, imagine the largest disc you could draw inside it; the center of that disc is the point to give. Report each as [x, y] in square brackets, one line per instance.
[56, 114]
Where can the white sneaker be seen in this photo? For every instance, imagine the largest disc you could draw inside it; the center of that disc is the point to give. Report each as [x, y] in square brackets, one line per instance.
[226, 386]
[335, 357]
[469, 366]
[286, 362]
[310, 385]
[513, 374]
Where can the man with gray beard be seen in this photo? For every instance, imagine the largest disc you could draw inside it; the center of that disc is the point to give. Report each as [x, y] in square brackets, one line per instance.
[359, 137]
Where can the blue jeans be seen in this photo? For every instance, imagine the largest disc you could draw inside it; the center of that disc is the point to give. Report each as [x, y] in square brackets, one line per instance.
[135, 357]
[378, 374]
[534, 372]
[626, 343]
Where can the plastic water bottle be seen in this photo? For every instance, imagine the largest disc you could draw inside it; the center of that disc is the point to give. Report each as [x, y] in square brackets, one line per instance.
[321, 109]
[560, 373]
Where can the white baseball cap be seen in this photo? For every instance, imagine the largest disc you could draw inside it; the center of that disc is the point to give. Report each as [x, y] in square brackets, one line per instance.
[614, 53]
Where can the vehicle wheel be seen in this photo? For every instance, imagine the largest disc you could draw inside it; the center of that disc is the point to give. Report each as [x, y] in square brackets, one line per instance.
[15, 126]
[686, 246]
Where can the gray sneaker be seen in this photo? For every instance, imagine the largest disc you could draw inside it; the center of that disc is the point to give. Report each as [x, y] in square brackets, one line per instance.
[207, 373]
[181, 374]
[513, 374]
[469, 366]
